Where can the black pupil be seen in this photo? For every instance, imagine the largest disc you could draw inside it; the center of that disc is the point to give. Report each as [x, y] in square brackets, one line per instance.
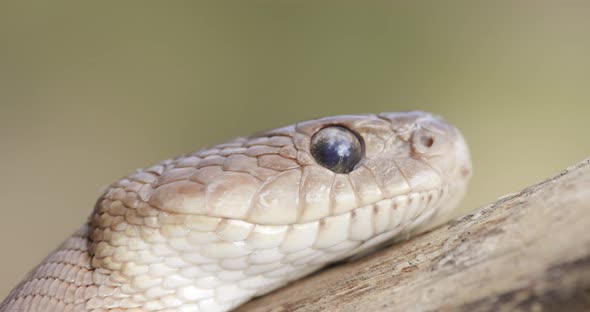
[337, 149]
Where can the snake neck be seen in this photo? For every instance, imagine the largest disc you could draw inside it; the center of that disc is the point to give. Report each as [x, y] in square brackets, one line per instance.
[64, 280]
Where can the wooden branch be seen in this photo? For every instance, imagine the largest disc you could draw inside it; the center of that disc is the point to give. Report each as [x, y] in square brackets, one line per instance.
[525, 252]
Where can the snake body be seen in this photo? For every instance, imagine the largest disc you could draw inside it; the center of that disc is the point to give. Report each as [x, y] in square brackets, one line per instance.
[210, 230]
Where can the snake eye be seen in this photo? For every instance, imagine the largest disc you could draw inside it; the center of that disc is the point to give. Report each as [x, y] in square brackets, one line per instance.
[337, 149]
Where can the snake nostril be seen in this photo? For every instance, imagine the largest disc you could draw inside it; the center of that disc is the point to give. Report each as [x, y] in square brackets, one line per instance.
[427, 141]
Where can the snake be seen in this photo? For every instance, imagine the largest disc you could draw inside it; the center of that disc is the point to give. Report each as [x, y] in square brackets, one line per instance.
[210, 230]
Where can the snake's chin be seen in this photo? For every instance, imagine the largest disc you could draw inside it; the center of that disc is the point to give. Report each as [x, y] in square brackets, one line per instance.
[411, 214]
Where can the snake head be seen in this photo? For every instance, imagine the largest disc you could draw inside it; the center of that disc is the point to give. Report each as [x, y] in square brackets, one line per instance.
[274, 177]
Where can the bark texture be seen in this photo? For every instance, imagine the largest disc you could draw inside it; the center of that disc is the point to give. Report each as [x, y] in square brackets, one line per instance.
[525, 252]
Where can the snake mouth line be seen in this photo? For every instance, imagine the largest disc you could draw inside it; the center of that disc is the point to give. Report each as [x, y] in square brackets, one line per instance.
[403, 206]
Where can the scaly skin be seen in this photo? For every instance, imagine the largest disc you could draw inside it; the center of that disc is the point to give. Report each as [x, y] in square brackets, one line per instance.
[210, 230]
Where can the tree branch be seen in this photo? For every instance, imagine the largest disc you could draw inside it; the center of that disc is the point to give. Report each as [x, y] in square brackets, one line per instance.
[529, 251]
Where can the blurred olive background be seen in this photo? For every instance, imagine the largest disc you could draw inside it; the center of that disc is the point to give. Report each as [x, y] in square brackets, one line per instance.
[90, 91]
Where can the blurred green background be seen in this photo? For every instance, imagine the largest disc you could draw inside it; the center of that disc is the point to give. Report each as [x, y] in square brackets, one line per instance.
[90, 91]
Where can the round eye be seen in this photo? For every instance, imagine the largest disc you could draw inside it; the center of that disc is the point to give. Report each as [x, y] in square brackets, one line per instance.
[337, 149]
